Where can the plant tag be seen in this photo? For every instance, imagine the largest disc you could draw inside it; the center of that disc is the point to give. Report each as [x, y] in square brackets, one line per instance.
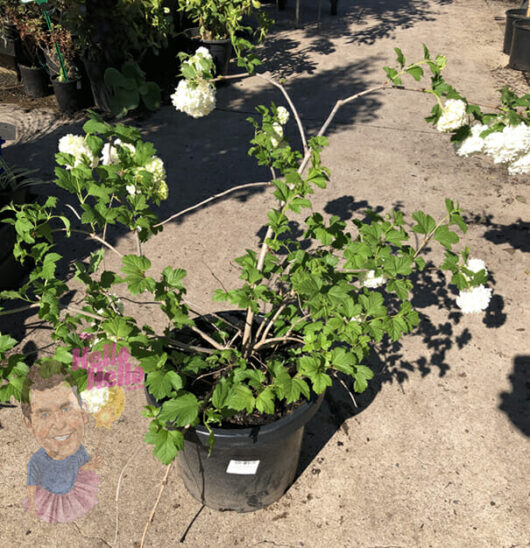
[243, 467]
[79, 85]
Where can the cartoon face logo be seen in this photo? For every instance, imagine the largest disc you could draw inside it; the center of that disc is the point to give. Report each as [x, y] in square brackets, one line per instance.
[57, 420]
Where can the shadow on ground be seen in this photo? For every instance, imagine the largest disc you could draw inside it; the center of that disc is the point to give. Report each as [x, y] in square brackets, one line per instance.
[516, 404]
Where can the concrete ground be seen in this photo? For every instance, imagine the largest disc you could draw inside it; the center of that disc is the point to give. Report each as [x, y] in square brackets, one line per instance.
[437, 452]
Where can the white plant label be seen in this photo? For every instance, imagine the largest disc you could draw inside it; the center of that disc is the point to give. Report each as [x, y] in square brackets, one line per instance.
[243, 467]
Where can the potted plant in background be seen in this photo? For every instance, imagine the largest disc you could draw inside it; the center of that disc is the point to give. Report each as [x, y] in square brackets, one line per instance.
[221, 26]
[9, 39]
[109, 33]
[310, 306]
[28, 21]
[65, 74]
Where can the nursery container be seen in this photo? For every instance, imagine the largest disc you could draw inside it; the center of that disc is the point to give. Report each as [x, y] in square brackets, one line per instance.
[35, 80]
[221, 50]
[512, 16]
[520, 51]
[68, 95]
[249, 468]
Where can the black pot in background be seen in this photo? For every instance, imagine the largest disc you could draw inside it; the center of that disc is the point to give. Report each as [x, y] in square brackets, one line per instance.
[68, 94]
[512, 16]
[221, 50]
[520, 51]
[35, 80]
[282, 4]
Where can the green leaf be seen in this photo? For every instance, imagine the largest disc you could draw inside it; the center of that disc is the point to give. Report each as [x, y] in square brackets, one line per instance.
[400, 57]
[167, 443]
[6, 343]
[320, 382]
[265, 401]
[117, 327]
[425, 224]
[159, 385]
[183, 411]
[220, 394]
[362, 375]
[426, 53]
[240, 398]
[446, 237]
[415, 71]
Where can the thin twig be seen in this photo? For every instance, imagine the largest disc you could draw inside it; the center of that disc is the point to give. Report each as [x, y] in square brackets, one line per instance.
[83, 313]
[116, 498]
[73, 209]
[93, 236]
[210, 199]
[138, 243]
[347, 390]
[207, 338]
[275, 340]
[19, 309]
[231, 76]
[291, 105]
[152, 514]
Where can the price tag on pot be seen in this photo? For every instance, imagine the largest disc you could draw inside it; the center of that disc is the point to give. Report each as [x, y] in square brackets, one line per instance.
[243, 467]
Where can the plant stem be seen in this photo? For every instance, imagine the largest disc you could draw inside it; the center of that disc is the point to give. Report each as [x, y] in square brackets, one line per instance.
[92, 235]
[210, 199]
[429, 236]
[276, 340]
[19, 309]
[291, 105]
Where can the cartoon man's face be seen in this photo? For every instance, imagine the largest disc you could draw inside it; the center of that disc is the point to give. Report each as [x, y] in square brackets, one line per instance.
[57, 420]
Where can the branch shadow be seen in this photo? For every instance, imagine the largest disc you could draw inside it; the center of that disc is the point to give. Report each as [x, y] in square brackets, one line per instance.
[516, 404]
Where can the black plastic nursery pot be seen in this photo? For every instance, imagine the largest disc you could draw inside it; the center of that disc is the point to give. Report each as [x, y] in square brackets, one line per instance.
[249, 468]
[520, 52]
[512, 16]
[68, 95]
[35, 81]
[221, 50]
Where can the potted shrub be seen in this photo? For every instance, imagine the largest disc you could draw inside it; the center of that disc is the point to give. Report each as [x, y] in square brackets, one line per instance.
[309, 307]
[9, 40]
[28, 21]
[219, 26]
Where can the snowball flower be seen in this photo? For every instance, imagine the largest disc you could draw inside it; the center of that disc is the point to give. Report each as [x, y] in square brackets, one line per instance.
[506, 145]
[520, 166]
[162, 191]
[278, 130]
[453, 116]
[474, 300]
[157, 169]
[95, 398]
[195, 101]
[109, 152]
[77, 147]
[476, 265]
[195, 60]
[474, 143]
[283, 115]
[371, 281]
[131, 189]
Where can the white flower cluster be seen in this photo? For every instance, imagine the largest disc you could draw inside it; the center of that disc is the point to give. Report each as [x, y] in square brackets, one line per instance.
[371, 281]
[510, 146]
[200, 53]
[78, 148]
[453, 116]
[283, 115]
[109, 152]
[196, 101]
[476, 299]
[95, 398]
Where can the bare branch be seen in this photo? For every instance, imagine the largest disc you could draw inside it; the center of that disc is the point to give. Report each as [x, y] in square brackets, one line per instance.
[91, 235]
[276, 340]
[210, 199]
[75, 212]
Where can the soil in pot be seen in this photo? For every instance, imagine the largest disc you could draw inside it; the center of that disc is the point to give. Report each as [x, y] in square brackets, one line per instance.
[512, 16]
[520, 51]
[254, 458]
[35, 80]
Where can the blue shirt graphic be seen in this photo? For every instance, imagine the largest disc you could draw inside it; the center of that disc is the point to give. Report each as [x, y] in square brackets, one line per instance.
[56, 476]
